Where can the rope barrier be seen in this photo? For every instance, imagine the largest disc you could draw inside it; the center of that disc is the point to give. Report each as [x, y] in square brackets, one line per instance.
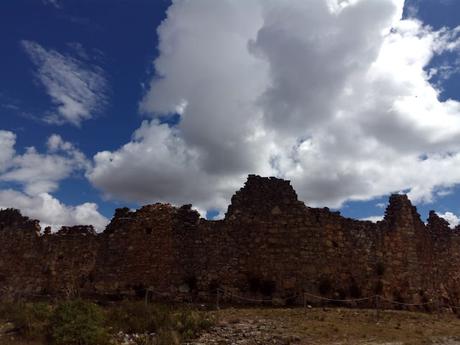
[454, 306]
[339, 300]
[350, 300]
[248, 299]
[405, 304]
[259, 300]
[162, 294]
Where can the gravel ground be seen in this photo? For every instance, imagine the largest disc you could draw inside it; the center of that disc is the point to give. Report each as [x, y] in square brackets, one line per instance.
[331, 327]
[247, 332]
[316, 326]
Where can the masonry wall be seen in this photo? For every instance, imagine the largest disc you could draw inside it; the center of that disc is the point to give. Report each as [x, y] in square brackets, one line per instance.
[269, 245]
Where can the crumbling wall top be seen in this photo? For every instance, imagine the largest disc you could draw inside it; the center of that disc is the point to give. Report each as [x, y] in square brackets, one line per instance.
[264, 196]
[77, 230]
[400, 211]
[13, 219]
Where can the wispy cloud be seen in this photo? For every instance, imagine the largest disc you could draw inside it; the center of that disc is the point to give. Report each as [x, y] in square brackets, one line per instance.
[77, 89]
[54, 3]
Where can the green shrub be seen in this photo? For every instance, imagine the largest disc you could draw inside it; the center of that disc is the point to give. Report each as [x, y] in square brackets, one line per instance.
[83, 323]
[78, 323]
[189, 323]
[5, 310]
[171, 326]
[30, 319]
[136, 317]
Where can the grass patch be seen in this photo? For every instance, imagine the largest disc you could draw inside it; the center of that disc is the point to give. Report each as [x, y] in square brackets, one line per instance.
[353, 326]
[171, 325]
[80, 322]
[31, 320]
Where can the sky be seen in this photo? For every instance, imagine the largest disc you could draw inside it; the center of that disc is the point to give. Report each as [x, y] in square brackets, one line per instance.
[113, 103]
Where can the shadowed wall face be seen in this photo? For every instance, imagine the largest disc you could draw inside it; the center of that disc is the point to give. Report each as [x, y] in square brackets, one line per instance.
[270, 245]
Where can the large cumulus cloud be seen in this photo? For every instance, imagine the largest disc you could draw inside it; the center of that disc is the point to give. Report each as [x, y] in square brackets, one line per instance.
[334, 95]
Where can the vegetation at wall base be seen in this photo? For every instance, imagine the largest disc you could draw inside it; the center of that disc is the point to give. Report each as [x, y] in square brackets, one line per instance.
[79, 322]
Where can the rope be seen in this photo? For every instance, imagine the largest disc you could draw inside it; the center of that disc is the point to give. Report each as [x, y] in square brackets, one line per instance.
[257, 300]
[339, 300]
[406, 304]
[161, 294]
[332, 299]
[252, 299]
[454, 306]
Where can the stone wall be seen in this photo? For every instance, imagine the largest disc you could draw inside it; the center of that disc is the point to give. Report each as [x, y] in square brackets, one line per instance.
[268, 246]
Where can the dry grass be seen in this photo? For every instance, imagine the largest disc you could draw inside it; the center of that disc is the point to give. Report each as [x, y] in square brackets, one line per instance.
[352, 326]
[18, 341]
[319, 326]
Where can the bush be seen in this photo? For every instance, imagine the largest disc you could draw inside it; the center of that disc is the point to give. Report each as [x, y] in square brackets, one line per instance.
[84, 323]
[136, 317]
[170, 325]
[189, 323]
[5, 310]
[30, 319]
[78, 323]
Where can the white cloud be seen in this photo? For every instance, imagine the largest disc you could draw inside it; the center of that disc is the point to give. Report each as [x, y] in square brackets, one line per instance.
[54, 3]
[39, 174]
[51, 211]
[78, 90]
[7, 141]
[333, 95]
[452, 218]
[373, 219]
[162, 168]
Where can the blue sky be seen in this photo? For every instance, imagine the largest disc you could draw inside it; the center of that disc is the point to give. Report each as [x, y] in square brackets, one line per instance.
[126, 104]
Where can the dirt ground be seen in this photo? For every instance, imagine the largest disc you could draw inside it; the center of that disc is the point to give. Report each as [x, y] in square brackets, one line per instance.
[320, 326]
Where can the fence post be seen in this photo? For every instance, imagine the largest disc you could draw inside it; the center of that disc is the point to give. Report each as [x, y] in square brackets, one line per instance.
[438, 306]
[146, 296]
[217, 300]
[377, 307]
[305, 303]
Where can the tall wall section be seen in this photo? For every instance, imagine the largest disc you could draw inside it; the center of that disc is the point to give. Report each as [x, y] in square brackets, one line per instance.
[269, 245]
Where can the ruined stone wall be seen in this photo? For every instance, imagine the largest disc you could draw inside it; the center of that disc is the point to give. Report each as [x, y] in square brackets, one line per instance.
[269, 245]
[34, 264]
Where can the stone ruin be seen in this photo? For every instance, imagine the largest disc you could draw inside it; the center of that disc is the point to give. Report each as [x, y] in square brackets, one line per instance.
[268, 246]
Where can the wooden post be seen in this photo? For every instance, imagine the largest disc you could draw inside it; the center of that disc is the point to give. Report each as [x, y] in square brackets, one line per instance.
[217, 300]
[377, 307]
[305, 303]
[146, 296]
[438, 306]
